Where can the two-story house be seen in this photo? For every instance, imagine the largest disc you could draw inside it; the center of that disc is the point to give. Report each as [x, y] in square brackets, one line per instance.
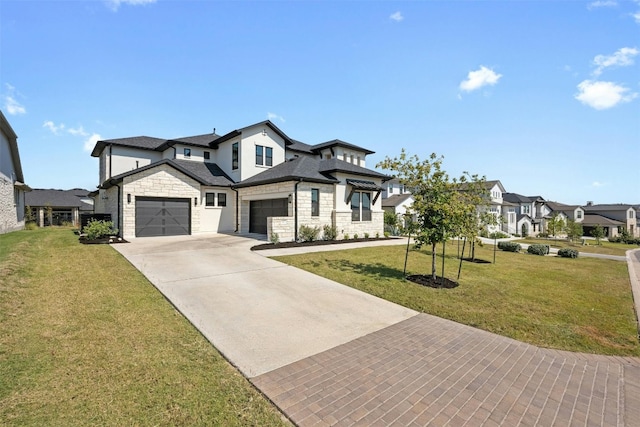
[531, 213]
[254, 179]
[396, 198]
[12, 186]
[612, 217]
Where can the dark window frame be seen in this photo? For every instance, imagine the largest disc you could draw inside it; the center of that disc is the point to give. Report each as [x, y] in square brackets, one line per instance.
[209, 202]
[206, 155]
[268, 156]
[259, 155]
[361, 206]
[235, 155]
[187, 153]
[222, 200]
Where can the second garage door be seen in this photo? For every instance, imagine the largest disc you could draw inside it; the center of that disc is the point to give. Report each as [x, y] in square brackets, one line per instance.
[162, 217]
[261, 209]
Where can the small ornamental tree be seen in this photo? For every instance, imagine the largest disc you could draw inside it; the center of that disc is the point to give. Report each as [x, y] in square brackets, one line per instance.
[574, 230]
[598, 233]
[555, 225]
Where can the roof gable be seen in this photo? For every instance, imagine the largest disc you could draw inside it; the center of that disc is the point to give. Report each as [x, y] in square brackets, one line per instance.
[339, 143]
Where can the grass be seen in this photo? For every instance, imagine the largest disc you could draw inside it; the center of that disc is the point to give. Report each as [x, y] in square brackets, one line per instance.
[582, 304]
[605, 247]
[87, 340]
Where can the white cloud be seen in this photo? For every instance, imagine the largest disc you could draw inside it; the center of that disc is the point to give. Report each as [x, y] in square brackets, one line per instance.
[636, 17]
[12, 105]
[90, 142]
[396, 16]
[603, 95]
[273, 116]
[621, 58]
[55, 129]
[479, 78]
[602, 3]
[597, 184]
[115, 4]
[78, 131]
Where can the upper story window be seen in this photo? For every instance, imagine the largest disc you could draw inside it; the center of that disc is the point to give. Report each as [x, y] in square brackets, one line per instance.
[235, 154]
[264, 156]
[631, 214]
[187, 153]
[526, 209]
[361, 206]
[207, 155]
[579, 214]
[315, 202]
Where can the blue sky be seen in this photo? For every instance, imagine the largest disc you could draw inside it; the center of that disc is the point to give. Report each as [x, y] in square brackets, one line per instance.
[542, 95]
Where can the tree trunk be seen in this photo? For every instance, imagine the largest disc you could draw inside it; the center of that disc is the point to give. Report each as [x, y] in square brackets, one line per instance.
[433, 262]
[444, 245]
[460, 266]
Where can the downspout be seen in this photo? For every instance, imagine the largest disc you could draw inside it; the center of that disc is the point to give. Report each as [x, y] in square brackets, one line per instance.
[175, 152]
[237, 210]
[295, 210]
[110, 160]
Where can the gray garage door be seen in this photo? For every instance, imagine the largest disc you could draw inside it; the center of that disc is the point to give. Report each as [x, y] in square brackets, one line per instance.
[162, 217]
[261, 209]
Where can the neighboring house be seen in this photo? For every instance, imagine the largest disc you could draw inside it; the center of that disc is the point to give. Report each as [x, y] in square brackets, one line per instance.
[531, 214]
[58, 207]
[612, 217]
[495, 206]
[12, 186]
[396, 199]
[251, 180]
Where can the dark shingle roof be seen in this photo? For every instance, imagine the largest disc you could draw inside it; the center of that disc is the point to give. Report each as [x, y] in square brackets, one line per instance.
[237, 132]
[336, 165]
[305, 168]
[515, 198]
[561, 207]
[197, 140]
[612, 207]
[50, 197]
[339, 143]
[595, 219]
[395, 200]
[204, 173]
[300, 146]
[144, 142]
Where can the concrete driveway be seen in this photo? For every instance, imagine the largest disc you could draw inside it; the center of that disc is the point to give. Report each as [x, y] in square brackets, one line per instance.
[261, 314]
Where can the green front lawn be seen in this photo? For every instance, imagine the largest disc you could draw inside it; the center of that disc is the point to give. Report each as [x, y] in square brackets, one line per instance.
[87, 340]
[582, 304]
[606, 248]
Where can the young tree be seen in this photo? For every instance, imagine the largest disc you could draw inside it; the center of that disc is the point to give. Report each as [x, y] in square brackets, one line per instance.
[598, 233]
[555, 225]
[574, 230]
[441, 210]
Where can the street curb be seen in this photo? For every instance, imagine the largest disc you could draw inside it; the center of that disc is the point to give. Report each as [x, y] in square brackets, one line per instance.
[634, 278]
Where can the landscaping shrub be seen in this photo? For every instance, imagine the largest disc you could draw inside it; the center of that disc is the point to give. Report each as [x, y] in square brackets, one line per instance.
[366, 235]
[329, 232]
[31, 225]
[498, 235]
[538, 249]
[97, 229]
[509, 246]
[308, 233]
[274, 238]
[568, 253]
[346, 236]
[355, 236]
[543, 235]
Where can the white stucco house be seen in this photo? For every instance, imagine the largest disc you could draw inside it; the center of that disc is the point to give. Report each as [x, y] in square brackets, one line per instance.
[397, 199]
[12, 186]
[255, 179]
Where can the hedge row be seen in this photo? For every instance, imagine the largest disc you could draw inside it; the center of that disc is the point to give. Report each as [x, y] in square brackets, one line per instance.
[538, 249]
[568, 253]
[509, 246]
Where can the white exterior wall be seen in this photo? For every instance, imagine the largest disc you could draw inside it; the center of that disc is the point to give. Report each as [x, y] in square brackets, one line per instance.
[197, 153]
[250, 139]
[161, 181]
[123, 159]
[216, 218]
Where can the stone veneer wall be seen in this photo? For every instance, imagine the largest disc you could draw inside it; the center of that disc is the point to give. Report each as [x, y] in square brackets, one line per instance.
[9, 212]
[326, 201]
[343, 223]
[283, 226]
[161, 181]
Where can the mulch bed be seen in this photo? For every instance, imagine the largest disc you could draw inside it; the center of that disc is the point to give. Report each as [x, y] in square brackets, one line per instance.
[314, 243]
[423, 280]
[102, 240]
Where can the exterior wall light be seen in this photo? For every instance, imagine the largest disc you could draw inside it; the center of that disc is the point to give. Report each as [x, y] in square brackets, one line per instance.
[128, 197]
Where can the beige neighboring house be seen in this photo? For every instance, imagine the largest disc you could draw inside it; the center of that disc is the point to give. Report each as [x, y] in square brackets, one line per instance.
[58, 207]
[255, 179]
[612, 217]
[12, 186]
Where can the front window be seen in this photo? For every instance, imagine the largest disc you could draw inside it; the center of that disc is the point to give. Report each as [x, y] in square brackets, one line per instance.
[209, 199]
[222, 199]
[207, 155]
[187, 153]
[259, 156]
[234, 156]
[361, 206]
[315, 202]
[579, 214]
[631, 214]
